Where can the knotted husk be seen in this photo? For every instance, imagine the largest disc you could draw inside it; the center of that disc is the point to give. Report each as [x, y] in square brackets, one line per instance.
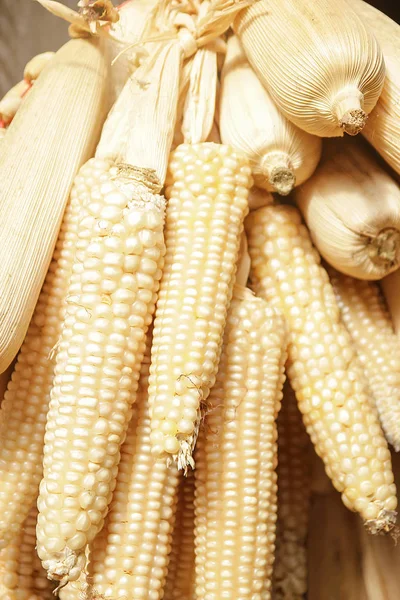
[383, 126]
[53, 133]
[322, 67]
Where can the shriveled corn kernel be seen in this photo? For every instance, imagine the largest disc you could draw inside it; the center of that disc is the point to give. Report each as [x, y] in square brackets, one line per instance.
[322, 368]
[180, 577]
[207, 189]
[236, 457]
[129, 557]
[24, 408]
[294, 495]
[111, 300]
[367, 319]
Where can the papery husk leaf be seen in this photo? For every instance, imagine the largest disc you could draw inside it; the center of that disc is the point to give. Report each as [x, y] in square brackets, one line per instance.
[322, 67]
[352, 209]
[132, 24]
[140, 127]
[383, 126]
[183, 90]
[199, 107]
[64, 12]
[52, 134]
[244, 262]
[281, 155]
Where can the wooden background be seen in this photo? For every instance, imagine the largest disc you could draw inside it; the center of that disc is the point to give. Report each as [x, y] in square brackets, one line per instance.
[344, 563]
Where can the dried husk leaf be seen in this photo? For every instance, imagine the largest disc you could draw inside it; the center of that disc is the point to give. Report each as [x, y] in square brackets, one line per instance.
[383, 126]
[352, 209]
[64, 12]
[140, 127]
[391, 290]
[183, 90]
[199, 109]
[132, 25]
[281, 155]
[322, 67]
[53, 133]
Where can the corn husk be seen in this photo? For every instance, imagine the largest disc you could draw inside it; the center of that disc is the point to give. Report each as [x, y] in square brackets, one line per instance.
[352, 209]
[321, 65]
[383, 126]
[52, 134]
[281, 155]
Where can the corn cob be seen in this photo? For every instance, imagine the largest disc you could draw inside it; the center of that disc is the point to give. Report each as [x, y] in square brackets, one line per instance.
[281, 155]
[67, 105]
[321, 65]
[18, 573]
[236, 455]
[207, 193]
[322, 366]
[129, 557]
[180, 578]
[368, 321]
[294, 495]
[111, 298]
[363, 242]
[24, 408]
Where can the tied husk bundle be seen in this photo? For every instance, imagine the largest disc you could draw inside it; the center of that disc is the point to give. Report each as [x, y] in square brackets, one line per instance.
[281, 155]
[383, 126]
[52, 134]
[321, 65]
[352, 209]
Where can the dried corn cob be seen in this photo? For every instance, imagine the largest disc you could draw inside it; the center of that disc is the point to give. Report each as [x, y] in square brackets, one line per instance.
[24, 408]
[180, 577]
[207, 193]
[67, 105]
[322, 369]
[368, 321]
[294, 494]
[18, 575]
[281, 155]
[129, 557]
[111, 298]
[236, 455]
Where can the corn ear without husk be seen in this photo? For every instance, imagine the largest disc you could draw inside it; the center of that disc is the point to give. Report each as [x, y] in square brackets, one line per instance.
[383, 126]
[55, 130]
[281, 155]
[352, 209]
[332, 80]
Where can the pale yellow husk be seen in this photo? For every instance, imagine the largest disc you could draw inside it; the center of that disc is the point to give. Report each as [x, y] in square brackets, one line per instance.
[322, 67]
[383, 126]
[352, 209]
[281, 155]
[53, 133]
